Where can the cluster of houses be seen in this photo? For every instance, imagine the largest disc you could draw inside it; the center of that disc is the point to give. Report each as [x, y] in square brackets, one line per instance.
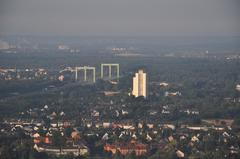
[124, 137]
[23, 74]
[73, 144]
[126, 148]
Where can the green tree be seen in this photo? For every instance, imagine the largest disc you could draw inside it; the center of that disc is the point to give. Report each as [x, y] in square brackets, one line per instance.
[58, 139]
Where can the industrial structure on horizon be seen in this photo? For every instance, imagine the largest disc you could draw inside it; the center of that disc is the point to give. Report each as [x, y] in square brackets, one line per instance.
[110, 65]
[85, 69]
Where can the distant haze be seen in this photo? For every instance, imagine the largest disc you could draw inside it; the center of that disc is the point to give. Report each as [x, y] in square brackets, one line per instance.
[120, 17]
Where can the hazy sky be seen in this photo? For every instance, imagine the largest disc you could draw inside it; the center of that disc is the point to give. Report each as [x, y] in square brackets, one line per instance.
[120, 17]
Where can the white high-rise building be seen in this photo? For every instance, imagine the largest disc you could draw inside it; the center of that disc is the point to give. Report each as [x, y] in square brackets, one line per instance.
[140, 84]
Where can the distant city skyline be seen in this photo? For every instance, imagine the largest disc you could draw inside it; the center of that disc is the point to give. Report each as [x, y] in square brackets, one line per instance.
[120, 18]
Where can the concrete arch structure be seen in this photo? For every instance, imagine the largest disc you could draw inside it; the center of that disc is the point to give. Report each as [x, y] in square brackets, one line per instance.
[85, 69]
[109, 65]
